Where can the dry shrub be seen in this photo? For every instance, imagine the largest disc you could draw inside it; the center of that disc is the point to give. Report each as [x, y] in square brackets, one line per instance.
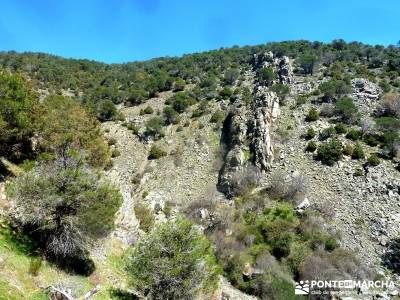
[298, 187]
[390, 104]
[327, 110]
[291, 188]
[266, 261]
[210, 211]
[337, 265]
[177, 155]
[244, 180]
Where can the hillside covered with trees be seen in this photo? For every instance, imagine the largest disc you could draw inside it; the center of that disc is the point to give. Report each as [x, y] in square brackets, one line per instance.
[228, 174]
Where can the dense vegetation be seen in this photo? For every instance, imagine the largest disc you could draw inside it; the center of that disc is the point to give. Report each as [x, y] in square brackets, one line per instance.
[175, 261]
[50, 135]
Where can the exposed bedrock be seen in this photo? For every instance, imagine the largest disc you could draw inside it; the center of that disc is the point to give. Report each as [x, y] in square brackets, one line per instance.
[247, 130]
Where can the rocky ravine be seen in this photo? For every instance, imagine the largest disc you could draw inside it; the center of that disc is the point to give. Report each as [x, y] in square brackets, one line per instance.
[362, 210]
[183, 175]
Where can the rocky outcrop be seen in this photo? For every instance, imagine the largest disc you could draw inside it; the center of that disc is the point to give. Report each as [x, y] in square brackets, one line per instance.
[234, 138]
[365, 94]
[281, 65]
[247, 129]
[266, 110]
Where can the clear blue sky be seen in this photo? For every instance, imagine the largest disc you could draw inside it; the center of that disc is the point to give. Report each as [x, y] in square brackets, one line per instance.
[127, 30]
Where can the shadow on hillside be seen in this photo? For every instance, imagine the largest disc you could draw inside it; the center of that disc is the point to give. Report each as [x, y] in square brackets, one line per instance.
[77, 265]
[20, 242]
[391, 258]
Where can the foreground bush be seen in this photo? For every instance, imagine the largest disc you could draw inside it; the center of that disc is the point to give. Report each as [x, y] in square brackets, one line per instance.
[175, 261]
[63, 206]
[330, 152]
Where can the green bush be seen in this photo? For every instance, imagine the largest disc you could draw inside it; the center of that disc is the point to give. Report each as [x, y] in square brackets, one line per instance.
[348, 150]
[135, 179]
[313, 115]
[385, 86]
[341, 128]
[388, 123]
[311, 146]
[331, 244]
[154, 127]
[145, 216]
[106, 110]
[18, 109]
[310, 134]
[133, 127]
[148, 110]
[353, 135]
[346, 109]
[156, 152]
[202, 109]
[277, 225]
[265, 75]
[301, 100]
[34, 265]
[174, 261]
[327, 133]
[137, 96]
[390, 142]
[308, 63]
[115, 153]
[179, 85]
[181, 101]
[359, 172]
[231, 75]
[330, 152]
[298, 254]
[374, 160]
[226, 93]
[171, 116]
[371, 139]
[75, 207]
[111, 141]
[358, 152]
[217, 117]
[334, 88]
[64, 126]
[282, 90]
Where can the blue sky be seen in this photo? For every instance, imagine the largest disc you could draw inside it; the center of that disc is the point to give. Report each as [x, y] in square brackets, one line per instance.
[128, 30]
